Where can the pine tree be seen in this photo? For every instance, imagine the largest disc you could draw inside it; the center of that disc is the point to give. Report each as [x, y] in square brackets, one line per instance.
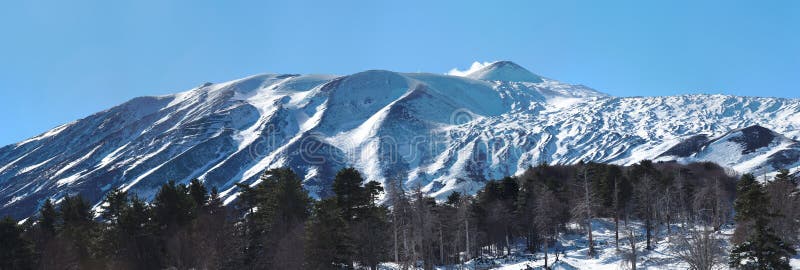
[453, 199]
[762, 250]
[113, 204]
[198, 192]
[347, 185]
[15, 251]
[173, 207]
[78, 232]
[48, 216]
[327, 240]
[751, 201]
[783, 175]
[214, 201]
[275, 229]
[45, 232]
[757, 246]
[366, 222]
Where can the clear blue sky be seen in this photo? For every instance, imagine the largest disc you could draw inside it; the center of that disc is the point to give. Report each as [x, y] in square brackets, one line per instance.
[63, 60]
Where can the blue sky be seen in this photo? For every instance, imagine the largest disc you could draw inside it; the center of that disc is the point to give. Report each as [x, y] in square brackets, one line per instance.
[63, 60]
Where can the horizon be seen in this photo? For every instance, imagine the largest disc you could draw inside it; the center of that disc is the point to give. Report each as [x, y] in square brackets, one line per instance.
[70, 60]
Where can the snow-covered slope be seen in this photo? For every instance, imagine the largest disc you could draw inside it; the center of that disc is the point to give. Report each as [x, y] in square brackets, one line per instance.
[504, 71]
[439, 132]
[751, 149]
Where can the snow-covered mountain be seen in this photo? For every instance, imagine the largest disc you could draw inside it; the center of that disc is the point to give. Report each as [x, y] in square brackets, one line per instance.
[439, 132]
[752, 149]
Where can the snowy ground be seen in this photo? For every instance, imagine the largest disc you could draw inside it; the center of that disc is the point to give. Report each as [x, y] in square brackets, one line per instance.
[573, 250]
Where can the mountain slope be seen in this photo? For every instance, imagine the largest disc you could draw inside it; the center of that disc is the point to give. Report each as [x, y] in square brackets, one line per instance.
[441, 133]
[751, 149]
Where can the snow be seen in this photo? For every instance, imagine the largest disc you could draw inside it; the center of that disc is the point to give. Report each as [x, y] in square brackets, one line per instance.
[53, 132]
[560, 103]
[69, 179]
[33, 167]
[449, 133]
[727, 151]
[14, 199]
[9, 164]
[77, 161]
[572, 247]
[144, 158]
[503, 71]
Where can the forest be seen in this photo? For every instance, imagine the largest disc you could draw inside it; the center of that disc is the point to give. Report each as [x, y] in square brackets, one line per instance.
[275, 224]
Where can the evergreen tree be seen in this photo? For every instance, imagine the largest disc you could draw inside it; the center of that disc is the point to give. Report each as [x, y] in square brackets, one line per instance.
[757, 246]
[113, 204]
[44, 234]
[453, 199]
[750, 203]
[275, 229]
[48, 216]
[327, 240]
[198, 192]
[367, 223]
[174, 212]
[783, 175]
[214, 201]
[128, 241]
[762, 250]
[173, 207]
[15, 251]
[78, 232]
[347, 185]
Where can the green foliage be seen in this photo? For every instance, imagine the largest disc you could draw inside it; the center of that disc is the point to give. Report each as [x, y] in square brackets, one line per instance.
[453, 199]
[173, 207]
[113, 204]
[48, 216]
[198, 192]
[761, 248]
[347, 185]
[751, 201]
[358, 228]
[279, 208]
[76, 212]
[327, 242]
[214, 201]
[783, 175]
[15, 251]
[277, 225]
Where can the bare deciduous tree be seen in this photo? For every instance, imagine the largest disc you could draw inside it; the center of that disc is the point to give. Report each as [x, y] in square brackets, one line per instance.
[700, 249]
[583, 210]
[631, 254]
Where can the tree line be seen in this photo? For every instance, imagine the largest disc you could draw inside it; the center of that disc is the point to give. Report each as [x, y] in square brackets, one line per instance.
[274, 224]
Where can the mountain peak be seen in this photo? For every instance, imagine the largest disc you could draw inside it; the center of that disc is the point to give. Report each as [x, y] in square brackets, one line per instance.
[504, 71]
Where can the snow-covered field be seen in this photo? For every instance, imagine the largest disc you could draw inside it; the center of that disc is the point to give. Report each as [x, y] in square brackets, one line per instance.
[573, 249]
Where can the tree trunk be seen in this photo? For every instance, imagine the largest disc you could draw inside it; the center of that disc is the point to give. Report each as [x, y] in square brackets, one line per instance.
[616, 231]
[508, 245]
[616, 214]
[546, 245]
[647, 229]
[394, 223]
[588, 213]
[441, 246]
[466, 222]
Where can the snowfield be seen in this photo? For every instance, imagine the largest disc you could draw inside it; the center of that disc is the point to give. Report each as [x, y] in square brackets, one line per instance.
[572, 247]
[442, 133]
